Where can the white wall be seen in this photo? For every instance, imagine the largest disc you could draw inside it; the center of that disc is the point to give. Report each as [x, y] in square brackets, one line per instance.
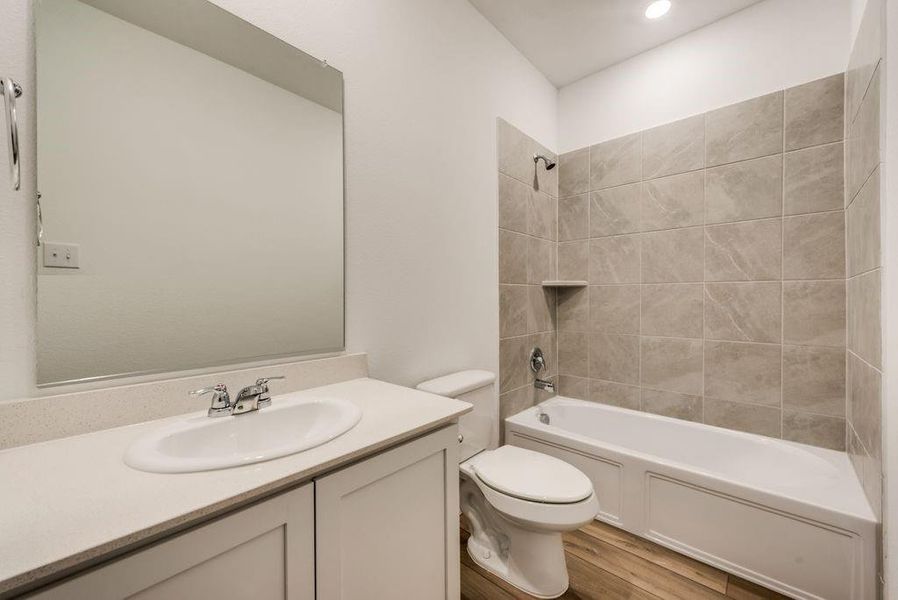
[425, 81]
[769, 46]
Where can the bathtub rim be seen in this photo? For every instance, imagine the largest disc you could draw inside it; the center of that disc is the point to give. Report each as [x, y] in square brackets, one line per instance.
[526, 419]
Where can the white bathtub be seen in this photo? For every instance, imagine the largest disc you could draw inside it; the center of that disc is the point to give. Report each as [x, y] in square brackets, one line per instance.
[787, 516]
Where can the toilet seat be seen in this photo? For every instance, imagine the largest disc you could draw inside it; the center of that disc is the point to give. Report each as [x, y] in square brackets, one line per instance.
[544, 516]
[533, 476]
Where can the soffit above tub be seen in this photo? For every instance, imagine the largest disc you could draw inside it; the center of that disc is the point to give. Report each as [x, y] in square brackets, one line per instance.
[570, 39]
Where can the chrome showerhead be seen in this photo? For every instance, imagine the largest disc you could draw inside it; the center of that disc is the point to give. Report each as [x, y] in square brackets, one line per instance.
[549, 164]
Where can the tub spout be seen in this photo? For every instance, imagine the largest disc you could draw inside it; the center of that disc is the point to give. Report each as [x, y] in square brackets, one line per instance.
[542, 384]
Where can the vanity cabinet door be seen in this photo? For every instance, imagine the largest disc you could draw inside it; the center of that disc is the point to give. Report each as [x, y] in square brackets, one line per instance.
[266, 551]
[387, 527]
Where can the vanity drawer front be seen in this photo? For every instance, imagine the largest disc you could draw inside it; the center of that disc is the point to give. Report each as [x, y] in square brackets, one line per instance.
[266, 551]
[387, 527]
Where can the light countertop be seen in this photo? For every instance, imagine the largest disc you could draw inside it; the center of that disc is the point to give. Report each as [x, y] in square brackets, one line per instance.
[70, 502]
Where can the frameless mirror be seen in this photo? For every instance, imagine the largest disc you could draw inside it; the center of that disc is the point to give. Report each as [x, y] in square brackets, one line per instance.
[190, 168]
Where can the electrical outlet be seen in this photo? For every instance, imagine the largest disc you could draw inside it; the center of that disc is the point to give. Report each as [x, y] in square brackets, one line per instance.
[60, 256]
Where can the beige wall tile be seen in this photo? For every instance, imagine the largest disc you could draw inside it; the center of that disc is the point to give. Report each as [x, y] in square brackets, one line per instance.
[540, 309]
[614, 394]
[516, 151]
[864, 317]
[615, 162]
[573, 173]
[573, 260]
[743, 372]
[741, 191]
[614, 259]
[615, 210]
[573, 218]
[672, 310]
[814, 313]
[863, 223]
[744, 251]
[744, 312]
[513, 365]
[512, 257]
[614, 357]
[745, 130]
[814, 379]
[814, 112]
[540, 260]
[814, 246]
[862, 148]
[514, 402]
[543, 213]
[673, 256]
[816, 430]
[614, 308]
[869, 470]
[671, 404]
[513, 310]
[544, 180]
[763, 420]
[573, 309]
[865, 404]
[671, 364]
[513, 204]
[814, 179]
[573, 353]
[674, 148]
[675, 201]
[573, 387]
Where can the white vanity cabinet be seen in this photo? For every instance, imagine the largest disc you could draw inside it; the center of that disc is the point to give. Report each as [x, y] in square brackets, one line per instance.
[382, 527]
[387, 527]
[264, 552]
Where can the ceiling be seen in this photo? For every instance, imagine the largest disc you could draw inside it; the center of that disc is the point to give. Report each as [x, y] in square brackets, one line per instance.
[569, 39]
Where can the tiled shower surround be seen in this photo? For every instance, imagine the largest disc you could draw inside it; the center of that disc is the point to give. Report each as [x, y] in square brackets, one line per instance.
[528, 230]
[864, 258]
[714, 248]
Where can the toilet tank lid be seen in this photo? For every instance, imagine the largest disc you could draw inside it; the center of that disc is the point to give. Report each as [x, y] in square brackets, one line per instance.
[456, 384]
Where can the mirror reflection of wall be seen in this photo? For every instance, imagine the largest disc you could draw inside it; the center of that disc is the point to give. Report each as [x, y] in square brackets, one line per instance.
[202, 203]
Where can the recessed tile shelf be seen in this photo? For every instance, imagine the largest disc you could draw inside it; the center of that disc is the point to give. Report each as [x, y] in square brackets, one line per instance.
[564, 283]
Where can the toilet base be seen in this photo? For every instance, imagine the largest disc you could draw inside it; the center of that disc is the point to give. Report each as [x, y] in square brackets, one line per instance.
[529, 558]
[537, 568]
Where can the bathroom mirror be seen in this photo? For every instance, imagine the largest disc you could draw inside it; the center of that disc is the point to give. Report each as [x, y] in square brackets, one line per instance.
[190, 167]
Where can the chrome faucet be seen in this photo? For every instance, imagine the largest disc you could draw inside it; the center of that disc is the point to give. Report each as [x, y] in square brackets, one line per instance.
[249, 399]
[253, 397]
[221, 401]
[546, 386]
[537, 364]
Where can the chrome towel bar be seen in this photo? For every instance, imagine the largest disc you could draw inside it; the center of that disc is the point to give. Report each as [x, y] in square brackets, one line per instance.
[12, 90]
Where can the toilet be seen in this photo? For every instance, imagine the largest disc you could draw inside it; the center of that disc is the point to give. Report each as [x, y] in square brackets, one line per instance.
[517, 501]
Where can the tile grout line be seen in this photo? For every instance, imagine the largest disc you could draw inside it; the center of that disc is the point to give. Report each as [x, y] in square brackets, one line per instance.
[704, 252]
[782, 275]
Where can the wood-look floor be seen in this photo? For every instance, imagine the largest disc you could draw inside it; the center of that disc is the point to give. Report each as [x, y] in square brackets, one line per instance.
[610, 564]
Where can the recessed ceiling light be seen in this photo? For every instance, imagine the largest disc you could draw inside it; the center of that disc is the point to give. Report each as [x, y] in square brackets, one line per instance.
[656, 9]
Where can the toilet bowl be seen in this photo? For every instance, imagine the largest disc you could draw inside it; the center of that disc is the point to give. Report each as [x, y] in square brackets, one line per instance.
[518, 502]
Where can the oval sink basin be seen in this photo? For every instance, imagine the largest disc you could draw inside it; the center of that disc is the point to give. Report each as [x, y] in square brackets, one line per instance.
[201, 443]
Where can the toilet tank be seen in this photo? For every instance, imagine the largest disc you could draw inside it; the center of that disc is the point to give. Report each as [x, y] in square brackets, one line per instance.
[478, 427]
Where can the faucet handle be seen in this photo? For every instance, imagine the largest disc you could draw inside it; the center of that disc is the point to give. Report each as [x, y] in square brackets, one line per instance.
[221, 400]
[264, 396]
